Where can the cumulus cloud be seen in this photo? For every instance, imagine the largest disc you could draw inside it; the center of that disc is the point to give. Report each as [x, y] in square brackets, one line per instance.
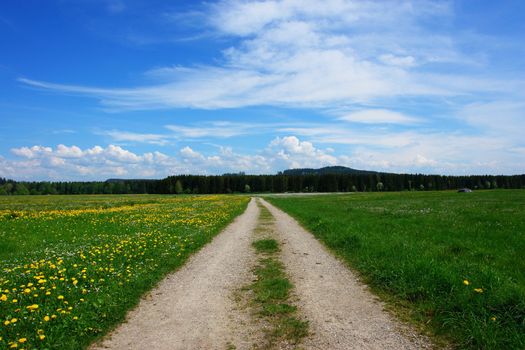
[290, 152]
[71, 162]
[433, 152]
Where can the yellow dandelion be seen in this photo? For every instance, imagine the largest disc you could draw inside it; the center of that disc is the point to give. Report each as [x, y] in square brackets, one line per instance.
[32, 307]
[46, 318]
[14, 320]
[466, 282]
[3, 297]
[6, 323]
[14, 346]
[60, 297]
[478, 290]
[42, 337]
[493, 318]
[22, 340]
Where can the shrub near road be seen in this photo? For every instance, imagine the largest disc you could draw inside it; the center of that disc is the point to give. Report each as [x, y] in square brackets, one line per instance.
[454, 260]
[72, 266]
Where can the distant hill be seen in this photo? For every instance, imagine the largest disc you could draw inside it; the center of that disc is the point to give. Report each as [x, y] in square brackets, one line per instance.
[328, 170]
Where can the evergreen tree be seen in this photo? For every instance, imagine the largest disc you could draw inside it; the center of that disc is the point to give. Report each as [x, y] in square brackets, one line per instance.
[178, 187]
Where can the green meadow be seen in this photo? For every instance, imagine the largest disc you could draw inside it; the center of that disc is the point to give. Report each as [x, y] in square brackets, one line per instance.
[72, 266]
[452, 263]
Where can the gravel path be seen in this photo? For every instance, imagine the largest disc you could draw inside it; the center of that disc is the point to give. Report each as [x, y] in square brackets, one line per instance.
[193, 308]
[342, 313]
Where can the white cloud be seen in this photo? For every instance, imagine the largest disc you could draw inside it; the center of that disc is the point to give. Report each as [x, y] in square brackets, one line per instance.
[403, 61]
[117, 135]
[501, 118]
[433, 152]
[187, 152]
[310, 53]
[290, 152]
[216, 129]
[31, 152]
[373, 116]
[68, 152]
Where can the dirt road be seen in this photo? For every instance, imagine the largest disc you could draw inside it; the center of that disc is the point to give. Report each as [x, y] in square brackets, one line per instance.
[194, 307]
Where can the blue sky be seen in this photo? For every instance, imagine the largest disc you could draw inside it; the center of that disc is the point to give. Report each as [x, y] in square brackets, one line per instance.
[93, 89]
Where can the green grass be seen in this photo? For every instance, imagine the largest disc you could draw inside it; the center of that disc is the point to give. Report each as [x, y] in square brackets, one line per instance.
[271, 292]
[417, 249]
[266, 246]
[72, 266]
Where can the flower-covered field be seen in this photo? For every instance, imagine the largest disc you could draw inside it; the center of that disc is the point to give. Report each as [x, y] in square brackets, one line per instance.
[71, 266]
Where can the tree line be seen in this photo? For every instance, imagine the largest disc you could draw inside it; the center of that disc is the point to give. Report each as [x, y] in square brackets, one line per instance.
[236, 183]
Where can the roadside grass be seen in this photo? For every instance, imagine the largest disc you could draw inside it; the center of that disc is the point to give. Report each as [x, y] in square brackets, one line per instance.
[271, 293]
[266, 246]
[272, 289]
[72, 266]
[452, 262]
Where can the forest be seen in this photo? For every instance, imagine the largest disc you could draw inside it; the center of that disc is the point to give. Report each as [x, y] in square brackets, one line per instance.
[280, 183]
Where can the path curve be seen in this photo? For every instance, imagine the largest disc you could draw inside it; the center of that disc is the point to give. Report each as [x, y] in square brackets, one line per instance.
[342, 312]
[192, 308]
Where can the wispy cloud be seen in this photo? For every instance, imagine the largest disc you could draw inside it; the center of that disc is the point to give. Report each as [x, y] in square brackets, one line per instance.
[306, 53]
[118, 135]
[379, 116]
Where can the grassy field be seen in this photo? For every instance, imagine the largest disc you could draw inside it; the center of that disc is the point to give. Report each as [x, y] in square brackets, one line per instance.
[453, 263]
[73, 265]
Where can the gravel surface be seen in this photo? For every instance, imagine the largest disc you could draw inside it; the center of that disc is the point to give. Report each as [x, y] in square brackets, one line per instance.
[342, 313]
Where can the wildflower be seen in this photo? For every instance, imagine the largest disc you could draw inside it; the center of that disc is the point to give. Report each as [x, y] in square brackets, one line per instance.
[42, 337]
[6, 323]
[46, 318]
[32, 307]
[22, 340]
[493, 318]
[15, 300]
[466, 282]
[14, 346]
[60, 297]
[3, 297]
[478, 290]
[14, 320]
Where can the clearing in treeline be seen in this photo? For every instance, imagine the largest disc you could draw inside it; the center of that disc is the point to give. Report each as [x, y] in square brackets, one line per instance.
[73, 266]
[452, 262]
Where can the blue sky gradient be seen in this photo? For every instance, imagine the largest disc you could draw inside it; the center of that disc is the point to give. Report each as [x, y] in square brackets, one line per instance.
[92, 89]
